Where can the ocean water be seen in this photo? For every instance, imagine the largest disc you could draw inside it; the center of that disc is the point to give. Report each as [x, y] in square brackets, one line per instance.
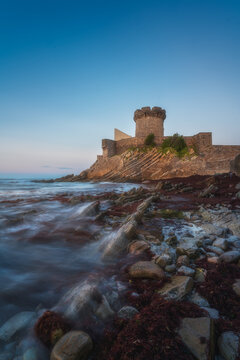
[46, 245]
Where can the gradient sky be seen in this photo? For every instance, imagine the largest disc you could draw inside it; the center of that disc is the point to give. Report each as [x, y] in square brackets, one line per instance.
[72, 71]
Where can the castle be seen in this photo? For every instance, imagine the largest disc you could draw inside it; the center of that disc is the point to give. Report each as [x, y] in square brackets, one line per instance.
[149, 120]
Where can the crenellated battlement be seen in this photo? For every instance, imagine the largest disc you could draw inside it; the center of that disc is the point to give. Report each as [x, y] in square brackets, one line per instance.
[146, 111]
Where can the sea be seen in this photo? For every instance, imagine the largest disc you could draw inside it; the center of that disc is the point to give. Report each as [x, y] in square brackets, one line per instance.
[46, 246]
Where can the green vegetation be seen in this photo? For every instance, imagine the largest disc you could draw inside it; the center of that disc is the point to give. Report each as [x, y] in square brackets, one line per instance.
[170, 213]
[174, 144]
[149, 141]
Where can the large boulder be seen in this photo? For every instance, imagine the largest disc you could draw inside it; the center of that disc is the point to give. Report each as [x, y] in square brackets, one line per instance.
[146, 270]
[85, 299]
[75, 345]
[228, 345]
[197, 335]
[177, 288]
[119, 241]
[91, 210]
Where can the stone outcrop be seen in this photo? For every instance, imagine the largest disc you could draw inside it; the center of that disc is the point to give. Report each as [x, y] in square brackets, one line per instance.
[134, 165]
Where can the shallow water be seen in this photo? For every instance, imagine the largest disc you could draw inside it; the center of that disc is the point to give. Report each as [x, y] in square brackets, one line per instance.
[46, 246]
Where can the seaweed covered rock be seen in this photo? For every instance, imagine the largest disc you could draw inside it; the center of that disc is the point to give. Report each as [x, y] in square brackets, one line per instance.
[50, 327]
[75, 345]
[146, 270]
[127, 312]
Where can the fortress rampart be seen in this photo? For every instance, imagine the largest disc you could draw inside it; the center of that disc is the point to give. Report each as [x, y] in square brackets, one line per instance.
[149, 120]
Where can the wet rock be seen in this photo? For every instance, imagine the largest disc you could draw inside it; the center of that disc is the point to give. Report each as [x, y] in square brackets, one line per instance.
[146, 270]
[178, 287]
[138, 247]
[221, 243]
[236, 287]
[30, 354]
[75, 345]
[170, 268]
[172, 241]
[215, 250]
[236, 244]
[185, 270]
[200, 275]
[119, 242]
[16, 323]
[193, 252]
[228, 344]
[197, 335]
[237, 187]
[209, 191]
[163, 260]
[182, 260]
[213, 313]
[230, 256]
[198, 300]
[213, 260]
[127, 312]
[91, 210]
[104, 310]
[85, 299]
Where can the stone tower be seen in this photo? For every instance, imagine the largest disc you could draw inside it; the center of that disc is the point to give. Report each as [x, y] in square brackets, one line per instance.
[150, 121]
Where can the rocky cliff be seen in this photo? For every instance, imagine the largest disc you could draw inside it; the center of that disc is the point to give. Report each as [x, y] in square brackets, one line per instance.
[136, 165]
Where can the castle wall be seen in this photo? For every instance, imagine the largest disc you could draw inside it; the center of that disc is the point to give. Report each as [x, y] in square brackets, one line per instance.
[109, 148]
[119, 135]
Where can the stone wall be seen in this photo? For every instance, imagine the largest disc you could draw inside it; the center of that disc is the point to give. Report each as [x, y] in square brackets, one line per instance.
[149, 121]
[119, 135]
[109, 147]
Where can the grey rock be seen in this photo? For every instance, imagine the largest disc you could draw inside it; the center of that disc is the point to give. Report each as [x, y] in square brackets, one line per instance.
[213, 313]
[198, 300]
[183, 260]
[170, 268]
[178, 287]
[91, 210]
[193, 332]
[185, 270]
[127, 312]
[215, 250]
[228, 344]
[119, 242]
[221, 243]
[230, 256]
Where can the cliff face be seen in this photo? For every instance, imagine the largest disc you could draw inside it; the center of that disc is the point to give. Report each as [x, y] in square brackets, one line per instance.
[152, 165]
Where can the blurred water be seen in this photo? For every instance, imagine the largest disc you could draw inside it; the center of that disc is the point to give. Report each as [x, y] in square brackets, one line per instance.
[45, 245]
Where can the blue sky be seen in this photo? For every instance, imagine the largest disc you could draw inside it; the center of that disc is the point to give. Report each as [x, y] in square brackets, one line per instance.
[71, 71]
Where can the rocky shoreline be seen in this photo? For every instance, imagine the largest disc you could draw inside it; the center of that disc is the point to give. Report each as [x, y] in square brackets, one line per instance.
[172, 260]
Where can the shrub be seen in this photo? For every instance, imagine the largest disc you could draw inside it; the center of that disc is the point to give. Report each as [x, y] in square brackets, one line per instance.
[149, 141]
[176, 142]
